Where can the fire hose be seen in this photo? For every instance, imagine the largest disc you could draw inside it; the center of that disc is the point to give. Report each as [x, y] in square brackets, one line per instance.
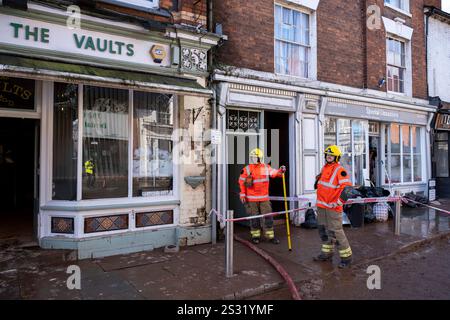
[275, 264]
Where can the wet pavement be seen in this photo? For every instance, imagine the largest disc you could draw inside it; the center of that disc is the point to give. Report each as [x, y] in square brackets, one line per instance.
[28, 272]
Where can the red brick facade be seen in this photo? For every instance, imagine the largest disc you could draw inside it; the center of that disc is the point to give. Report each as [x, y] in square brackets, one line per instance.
[189, 12]
[250, 29]
[348, 53]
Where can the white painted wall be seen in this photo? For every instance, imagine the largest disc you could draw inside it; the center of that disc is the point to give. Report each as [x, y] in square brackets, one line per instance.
[439, 59]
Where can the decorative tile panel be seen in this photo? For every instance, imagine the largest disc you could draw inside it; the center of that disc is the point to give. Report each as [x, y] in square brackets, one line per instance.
[147, 219]
[106, 223]
[194, 59]
[62, 225]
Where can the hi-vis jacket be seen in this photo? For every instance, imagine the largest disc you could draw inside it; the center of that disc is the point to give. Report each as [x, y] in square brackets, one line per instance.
[332, 181]
[261, 173]
[89, 167]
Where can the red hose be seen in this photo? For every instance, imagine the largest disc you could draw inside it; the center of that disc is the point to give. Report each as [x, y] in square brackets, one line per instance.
[275, 264]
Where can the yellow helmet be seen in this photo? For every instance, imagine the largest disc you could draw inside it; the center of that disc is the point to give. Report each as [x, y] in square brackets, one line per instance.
[257, 153]
[333, 151]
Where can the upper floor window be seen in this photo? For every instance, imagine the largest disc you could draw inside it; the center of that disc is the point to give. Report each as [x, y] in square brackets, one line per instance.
[400, 4]
[292, 42]
[147, 4]
[396, 65]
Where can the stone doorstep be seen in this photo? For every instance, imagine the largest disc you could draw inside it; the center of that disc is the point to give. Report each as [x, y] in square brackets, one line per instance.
[251, 292]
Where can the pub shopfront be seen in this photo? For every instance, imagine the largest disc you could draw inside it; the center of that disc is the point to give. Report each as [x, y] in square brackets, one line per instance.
[103, 106]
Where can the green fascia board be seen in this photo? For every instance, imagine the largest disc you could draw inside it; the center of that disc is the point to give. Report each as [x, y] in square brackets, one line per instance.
[130, 76]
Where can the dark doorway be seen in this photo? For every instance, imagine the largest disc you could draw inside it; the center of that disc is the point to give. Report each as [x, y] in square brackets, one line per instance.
[18, 158]
[278, 141]
[374, 163]
[441, 162]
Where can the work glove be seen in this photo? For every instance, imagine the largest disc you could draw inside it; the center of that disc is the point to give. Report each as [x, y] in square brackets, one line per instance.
[283, 169]
[243, 200]
[317, 181]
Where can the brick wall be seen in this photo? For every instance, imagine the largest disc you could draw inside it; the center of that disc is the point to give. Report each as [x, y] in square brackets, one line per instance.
[340, 43]
[348, 52]
[250, 30]
[190, 12]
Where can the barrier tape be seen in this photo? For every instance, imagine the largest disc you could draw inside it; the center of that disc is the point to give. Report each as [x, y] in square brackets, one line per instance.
[426, 205]
[221, 217]
[265, 215]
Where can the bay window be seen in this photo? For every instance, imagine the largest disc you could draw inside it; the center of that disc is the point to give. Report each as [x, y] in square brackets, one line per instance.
[105, 143]
[152, 144]
[403, 154]
[292, 42]
[109, 158]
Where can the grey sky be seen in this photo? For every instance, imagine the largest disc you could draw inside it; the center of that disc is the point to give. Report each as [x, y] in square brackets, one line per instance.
[446, 5]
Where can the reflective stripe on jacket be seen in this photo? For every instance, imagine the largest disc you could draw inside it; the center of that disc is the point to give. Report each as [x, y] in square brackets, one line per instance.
[333, 180]
[260, 173]
[89, 167]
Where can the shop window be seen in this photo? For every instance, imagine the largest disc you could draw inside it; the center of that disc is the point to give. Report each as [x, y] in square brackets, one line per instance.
[330, 132]
[17, 93]
[65, 141]
[292, 42]
[350, 136]
[105, 143]
[404, 154]
[152, 144]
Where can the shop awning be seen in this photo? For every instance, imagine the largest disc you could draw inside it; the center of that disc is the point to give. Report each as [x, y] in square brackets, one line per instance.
[52, 70]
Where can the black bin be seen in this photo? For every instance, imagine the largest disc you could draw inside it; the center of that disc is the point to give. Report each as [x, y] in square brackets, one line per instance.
[355, 214]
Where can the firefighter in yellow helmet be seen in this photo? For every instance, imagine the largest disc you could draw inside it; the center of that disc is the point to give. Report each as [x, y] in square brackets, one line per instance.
[254, 187]
[330, 185]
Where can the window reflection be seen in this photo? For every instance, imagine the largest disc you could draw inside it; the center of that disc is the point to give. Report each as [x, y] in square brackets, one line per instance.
[105, 143]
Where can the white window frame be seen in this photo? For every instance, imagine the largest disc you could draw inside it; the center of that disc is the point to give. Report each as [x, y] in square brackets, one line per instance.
[398, 66]
[47, 196]
[407, 69]
[312, 48]
[135, 4]
[404, 7]
[388, 156]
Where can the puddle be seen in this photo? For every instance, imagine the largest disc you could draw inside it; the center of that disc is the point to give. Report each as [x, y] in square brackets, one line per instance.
[423, 222]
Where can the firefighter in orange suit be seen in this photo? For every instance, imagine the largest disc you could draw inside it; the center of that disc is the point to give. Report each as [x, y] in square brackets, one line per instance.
[330, 185]
[254, 186]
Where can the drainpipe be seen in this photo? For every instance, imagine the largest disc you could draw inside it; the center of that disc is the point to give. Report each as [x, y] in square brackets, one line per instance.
[213, 103]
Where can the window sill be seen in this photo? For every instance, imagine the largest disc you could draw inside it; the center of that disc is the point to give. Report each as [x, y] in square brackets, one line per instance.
[406, 13]
[397, 94]
[293, 78]
[123, 203]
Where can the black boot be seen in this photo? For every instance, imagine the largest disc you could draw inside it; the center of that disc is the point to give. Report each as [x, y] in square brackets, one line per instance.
[345, 263]
[275, 241]
[322, 257]
[255, 240]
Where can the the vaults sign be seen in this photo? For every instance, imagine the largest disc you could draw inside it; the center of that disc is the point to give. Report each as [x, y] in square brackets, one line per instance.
[54, 39]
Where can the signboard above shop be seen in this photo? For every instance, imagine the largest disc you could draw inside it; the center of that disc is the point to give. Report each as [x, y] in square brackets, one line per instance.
[443, 121]
[20, 33]
[372, 113]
